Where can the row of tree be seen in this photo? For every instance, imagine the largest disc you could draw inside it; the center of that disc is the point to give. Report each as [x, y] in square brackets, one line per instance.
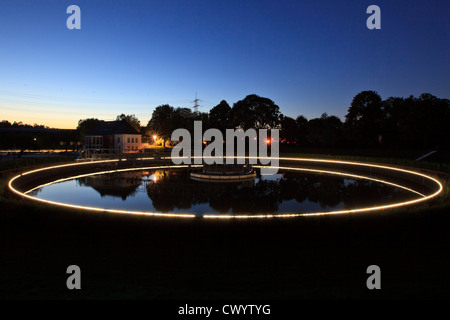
[251, 112]
[20, 124]
[401, 122]
[395, 122]
[413, 122]
[370, 121]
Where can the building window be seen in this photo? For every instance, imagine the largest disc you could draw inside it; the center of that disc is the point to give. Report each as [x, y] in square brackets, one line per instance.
[128, 140]
[118, 139]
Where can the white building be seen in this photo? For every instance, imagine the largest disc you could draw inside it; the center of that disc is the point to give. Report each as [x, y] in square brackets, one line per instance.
[114, 136]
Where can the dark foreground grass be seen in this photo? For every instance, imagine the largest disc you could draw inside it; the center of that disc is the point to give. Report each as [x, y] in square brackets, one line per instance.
[131, 257]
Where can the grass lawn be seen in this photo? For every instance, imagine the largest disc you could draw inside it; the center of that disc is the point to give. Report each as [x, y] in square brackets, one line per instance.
[130, 257]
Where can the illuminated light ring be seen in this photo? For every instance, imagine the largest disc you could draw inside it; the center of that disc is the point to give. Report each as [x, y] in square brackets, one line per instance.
[237, 216]
[157, 214]
[368, 209]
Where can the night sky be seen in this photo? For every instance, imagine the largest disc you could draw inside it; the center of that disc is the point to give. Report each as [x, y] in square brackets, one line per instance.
[309, 57]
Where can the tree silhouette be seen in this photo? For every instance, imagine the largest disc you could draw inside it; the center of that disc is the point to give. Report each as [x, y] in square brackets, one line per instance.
[219, 116]
[288, 130]
[324, 131]
[255, 112]
[183, 118]
[416, 122]
[395, 110]
[130, 119]
[86, 125]
[161, 122]
[302, 127]
[364, 118]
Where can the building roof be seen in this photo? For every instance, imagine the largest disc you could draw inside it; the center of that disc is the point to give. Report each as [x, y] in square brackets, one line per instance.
[106, 128]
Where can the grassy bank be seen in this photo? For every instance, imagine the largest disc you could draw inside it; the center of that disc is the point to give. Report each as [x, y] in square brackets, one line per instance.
[30, 162]
[437, 162]
[132, 257]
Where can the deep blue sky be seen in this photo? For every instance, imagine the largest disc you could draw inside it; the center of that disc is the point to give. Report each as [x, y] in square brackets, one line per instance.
[309, 57]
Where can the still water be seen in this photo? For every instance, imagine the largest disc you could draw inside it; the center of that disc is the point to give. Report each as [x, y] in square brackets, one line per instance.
[174, 192]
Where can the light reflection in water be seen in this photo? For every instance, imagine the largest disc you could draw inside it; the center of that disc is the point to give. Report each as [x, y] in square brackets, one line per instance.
[173, 191]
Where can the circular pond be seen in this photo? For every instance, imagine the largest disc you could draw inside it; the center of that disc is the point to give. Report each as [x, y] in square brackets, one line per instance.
[295, 191]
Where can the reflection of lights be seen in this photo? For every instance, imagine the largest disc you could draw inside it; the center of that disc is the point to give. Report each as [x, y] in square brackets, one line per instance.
[240, 216]
[66, 205]
[368, 209]
[91, 174]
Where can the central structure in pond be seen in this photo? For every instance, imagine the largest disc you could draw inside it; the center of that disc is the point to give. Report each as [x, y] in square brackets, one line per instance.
[225, 173]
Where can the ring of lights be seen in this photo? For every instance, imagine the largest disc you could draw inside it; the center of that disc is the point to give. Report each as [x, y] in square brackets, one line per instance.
[435, 187]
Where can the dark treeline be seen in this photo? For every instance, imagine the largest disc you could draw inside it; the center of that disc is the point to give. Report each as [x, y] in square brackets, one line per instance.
[370, 122]
[251, 112]
[413, 123]
[18, 135]
[397, 122]
[20, 124]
